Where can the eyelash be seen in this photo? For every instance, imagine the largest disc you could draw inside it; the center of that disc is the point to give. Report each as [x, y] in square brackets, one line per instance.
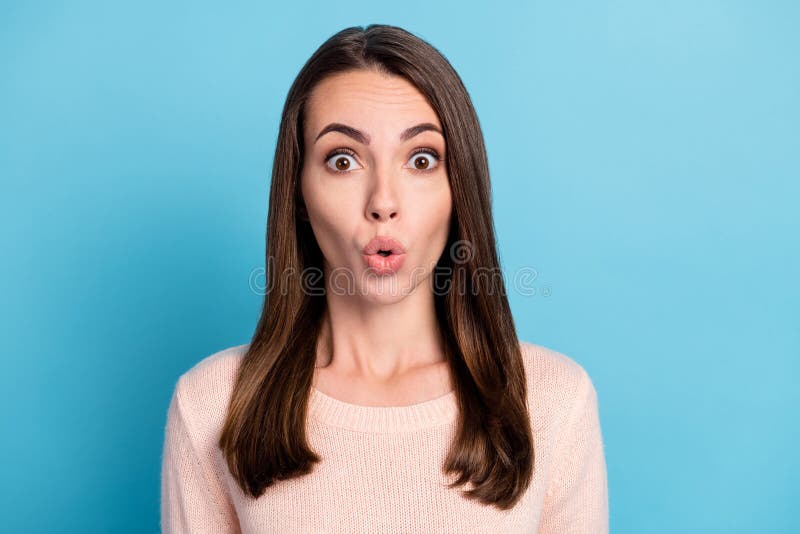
[349, 152]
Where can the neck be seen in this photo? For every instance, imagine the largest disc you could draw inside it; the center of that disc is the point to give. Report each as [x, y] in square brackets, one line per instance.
[376, 341]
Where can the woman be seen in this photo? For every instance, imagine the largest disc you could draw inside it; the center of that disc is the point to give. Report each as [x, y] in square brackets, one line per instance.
[385, 388]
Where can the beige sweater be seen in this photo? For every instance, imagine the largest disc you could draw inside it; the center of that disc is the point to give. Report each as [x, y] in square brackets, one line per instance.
[381, 468]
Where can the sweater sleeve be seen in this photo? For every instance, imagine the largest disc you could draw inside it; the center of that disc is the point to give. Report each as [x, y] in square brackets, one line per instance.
[576, 500]
[192, 494]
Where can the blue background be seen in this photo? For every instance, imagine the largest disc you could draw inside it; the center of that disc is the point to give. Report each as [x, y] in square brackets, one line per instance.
[644, 159]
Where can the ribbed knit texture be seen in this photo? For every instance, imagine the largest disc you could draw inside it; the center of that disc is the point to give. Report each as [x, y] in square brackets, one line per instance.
[381, 466]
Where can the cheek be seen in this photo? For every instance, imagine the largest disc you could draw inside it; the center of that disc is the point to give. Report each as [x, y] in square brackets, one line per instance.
[320, 198]
[441, 206]
[327, 218]
[332, 213]
[433, 213]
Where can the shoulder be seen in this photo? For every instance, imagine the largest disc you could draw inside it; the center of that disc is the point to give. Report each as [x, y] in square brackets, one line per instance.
[203, 391]
[558, 386]
[214, 372]
[551, 369]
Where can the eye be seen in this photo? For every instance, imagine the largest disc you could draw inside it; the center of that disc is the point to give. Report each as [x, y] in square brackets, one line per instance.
[341, 160]
[424, 160]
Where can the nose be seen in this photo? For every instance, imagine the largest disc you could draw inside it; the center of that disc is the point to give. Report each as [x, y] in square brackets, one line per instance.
[382, 204]
[383, 214]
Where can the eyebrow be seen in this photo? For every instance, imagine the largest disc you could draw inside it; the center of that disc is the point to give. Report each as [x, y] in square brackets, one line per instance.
[364, 139]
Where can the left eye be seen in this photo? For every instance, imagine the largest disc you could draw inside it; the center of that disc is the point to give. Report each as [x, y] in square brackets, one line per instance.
[424, 160]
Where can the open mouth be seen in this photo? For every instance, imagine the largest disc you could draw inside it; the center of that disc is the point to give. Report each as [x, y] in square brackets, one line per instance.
[385, 262]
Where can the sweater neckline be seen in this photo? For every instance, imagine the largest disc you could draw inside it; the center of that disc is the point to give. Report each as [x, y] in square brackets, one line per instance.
[383, 419]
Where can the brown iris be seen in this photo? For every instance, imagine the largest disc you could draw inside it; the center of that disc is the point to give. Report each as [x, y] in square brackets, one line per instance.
[342, 164]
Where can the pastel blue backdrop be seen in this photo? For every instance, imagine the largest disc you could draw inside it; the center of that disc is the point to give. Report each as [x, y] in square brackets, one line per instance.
[644, 160]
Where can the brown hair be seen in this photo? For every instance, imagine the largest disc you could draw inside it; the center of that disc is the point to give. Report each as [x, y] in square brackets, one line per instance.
[264, 436]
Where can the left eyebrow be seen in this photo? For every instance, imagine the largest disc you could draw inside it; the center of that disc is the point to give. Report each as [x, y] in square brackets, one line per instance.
[364, 139]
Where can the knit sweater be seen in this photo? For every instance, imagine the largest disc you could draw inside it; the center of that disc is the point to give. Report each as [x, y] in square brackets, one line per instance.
[381, 466]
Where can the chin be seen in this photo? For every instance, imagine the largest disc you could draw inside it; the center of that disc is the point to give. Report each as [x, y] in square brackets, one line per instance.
[385, 289]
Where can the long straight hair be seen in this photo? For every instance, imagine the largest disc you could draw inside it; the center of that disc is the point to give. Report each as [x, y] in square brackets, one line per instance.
[264, 436]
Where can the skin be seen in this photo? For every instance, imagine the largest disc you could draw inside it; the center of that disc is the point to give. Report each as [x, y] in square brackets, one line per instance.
[380, 342]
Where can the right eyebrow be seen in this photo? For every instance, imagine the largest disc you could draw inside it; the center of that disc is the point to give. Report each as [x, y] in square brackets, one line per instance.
[349, 131]
[364, 139]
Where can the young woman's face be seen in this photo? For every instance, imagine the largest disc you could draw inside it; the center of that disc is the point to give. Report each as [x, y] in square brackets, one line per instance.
[374, 174]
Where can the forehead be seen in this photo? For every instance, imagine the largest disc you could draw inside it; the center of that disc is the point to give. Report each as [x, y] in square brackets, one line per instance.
[370, 100]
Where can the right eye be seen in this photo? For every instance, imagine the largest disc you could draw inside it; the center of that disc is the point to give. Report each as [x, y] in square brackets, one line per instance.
[341, 160]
